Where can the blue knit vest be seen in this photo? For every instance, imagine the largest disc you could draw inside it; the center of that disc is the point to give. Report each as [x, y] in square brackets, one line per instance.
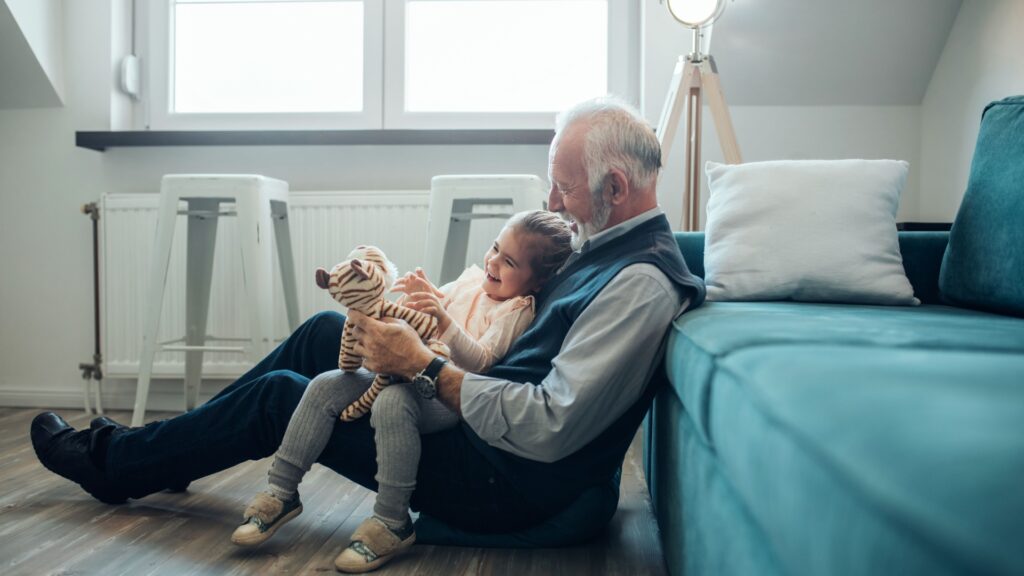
[554, 485]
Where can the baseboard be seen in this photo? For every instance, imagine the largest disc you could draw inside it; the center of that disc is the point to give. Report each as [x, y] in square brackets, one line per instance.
[167, 396]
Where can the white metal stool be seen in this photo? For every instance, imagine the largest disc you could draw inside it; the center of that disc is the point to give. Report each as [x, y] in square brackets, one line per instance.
[261, 204]
[452, 199]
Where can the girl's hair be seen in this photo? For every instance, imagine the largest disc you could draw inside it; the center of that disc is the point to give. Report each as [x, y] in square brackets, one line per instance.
[549, 237]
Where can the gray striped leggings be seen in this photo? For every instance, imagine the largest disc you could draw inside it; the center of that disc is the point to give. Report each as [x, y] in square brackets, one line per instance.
[399, 416]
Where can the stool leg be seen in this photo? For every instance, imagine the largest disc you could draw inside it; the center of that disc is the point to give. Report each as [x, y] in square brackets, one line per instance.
[99, 397]
[254, 229]
[283, 238]
[438, 221]
[166, 221]
[457, 243]
[85, 390]
[202, 237]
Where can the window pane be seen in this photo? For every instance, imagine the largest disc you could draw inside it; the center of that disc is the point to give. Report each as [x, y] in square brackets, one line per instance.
[268, 57]
[504, 55]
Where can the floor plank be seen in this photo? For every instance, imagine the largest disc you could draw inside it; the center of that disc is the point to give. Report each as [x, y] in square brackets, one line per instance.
[50, 526]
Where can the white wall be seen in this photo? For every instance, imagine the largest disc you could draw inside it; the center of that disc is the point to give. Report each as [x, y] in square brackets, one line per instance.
[983, 60]
[773, 132]
[45, 242]
[41, 22]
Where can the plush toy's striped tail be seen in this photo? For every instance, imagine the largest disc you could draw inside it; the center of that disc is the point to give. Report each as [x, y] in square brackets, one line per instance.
[361, 406]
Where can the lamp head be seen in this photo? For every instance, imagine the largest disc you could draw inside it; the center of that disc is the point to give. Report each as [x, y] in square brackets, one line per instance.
[696, 14]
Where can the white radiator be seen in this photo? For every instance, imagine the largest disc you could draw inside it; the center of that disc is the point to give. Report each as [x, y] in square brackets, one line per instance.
[325, 226]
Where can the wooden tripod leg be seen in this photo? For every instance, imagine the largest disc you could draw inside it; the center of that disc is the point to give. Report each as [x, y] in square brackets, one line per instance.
[720, 112]
[675, 103]
[691, 171]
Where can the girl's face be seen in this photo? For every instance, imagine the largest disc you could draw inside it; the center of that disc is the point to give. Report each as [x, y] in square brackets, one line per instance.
[507, 265]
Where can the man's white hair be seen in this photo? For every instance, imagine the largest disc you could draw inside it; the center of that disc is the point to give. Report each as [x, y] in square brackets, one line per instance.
[618, 137]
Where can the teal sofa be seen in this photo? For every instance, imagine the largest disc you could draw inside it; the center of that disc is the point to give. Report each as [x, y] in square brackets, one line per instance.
[834, 439]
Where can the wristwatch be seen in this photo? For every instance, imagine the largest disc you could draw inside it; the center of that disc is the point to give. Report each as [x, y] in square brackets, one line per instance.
[426, 381]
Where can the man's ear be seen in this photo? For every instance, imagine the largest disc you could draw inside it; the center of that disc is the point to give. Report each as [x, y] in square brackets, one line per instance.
[617, 186]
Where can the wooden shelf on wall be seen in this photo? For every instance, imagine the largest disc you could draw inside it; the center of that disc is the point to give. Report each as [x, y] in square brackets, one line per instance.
[100, 141]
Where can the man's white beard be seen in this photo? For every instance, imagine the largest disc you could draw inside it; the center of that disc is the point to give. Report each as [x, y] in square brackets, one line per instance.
[582, 234]
[600, 211]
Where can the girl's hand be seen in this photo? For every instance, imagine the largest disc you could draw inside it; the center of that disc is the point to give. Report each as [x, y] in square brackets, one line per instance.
[430, 304]
[414, 282]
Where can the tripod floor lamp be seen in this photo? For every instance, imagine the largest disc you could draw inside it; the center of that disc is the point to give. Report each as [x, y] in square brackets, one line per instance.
[695, 77]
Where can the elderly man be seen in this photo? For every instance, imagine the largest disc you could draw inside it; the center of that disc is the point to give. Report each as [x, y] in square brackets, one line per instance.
[550, 421]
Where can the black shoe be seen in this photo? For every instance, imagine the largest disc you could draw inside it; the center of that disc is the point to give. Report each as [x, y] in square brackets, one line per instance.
[68, 453]
[104, 425]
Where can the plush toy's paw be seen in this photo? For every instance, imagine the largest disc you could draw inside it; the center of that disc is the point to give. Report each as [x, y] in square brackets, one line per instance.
[439, 348]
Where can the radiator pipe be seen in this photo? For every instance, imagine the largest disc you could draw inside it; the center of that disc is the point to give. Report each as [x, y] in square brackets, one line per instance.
[93, 371]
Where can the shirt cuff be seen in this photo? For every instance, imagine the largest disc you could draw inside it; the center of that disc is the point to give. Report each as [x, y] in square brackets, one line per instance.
[480, 400]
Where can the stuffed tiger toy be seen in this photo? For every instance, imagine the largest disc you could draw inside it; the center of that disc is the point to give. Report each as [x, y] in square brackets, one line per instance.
[359, 283]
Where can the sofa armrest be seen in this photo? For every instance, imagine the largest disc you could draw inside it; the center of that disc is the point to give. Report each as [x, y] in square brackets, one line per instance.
[922, 257]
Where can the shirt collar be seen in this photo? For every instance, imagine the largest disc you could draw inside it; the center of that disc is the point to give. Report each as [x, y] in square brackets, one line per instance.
[605, 236]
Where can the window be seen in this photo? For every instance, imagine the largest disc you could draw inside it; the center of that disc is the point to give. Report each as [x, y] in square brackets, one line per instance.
[372, 64]
[252, 74]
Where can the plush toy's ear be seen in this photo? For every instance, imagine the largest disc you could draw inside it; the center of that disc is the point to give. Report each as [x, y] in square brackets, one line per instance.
[359, 268]
[323, 278]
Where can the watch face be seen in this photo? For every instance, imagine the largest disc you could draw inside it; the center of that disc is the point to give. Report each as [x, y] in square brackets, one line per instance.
[424, 386]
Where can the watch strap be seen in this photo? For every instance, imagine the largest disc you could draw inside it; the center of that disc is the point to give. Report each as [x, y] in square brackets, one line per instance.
[434, 368]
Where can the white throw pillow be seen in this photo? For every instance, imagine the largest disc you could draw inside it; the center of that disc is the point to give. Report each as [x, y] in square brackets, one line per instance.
[810, 230]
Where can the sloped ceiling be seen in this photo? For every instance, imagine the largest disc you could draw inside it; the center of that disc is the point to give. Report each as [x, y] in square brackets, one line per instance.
[830, 52]
[24, 82]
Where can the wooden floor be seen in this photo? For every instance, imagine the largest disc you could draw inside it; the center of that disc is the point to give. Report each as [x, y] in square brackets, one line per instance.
[50, 526]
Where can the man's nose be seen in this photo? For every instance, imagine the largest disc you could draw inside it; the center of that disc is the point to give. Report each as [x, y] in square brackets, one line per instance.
[555, 200]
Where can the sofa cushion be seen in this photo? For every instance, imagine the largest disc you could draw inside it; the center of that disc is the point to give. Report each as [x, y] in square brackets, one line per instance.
[701, 338]
[864, 459]
[984, 263]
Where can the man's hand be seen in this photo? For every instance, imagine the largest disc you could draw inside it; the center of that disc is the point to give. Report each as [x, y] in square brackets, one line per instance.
[389, 346]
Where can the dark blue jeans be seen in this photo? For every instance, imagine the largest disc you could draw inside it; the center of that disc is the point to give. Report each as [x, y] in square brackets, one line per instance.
[247, 420]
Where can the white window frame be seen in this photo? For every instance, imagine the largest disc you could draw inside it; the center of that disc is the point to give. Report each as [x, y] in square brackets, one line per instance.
[383, 79]
[158, 67]
[622, 60]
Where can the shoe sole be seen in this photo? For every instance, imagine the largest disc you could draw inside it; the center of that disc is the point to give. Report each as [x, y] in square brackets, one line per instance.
[262, 537]
[380, 561]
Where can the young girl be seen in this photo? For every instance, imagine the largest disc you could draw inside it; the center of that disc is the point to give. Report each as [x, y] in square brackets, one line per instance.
[479, 315]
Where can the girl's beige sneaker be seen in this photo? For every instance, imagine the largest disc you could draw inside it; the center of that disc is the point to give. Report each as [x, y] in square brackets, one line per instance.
[262, 517]
[373, 544]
